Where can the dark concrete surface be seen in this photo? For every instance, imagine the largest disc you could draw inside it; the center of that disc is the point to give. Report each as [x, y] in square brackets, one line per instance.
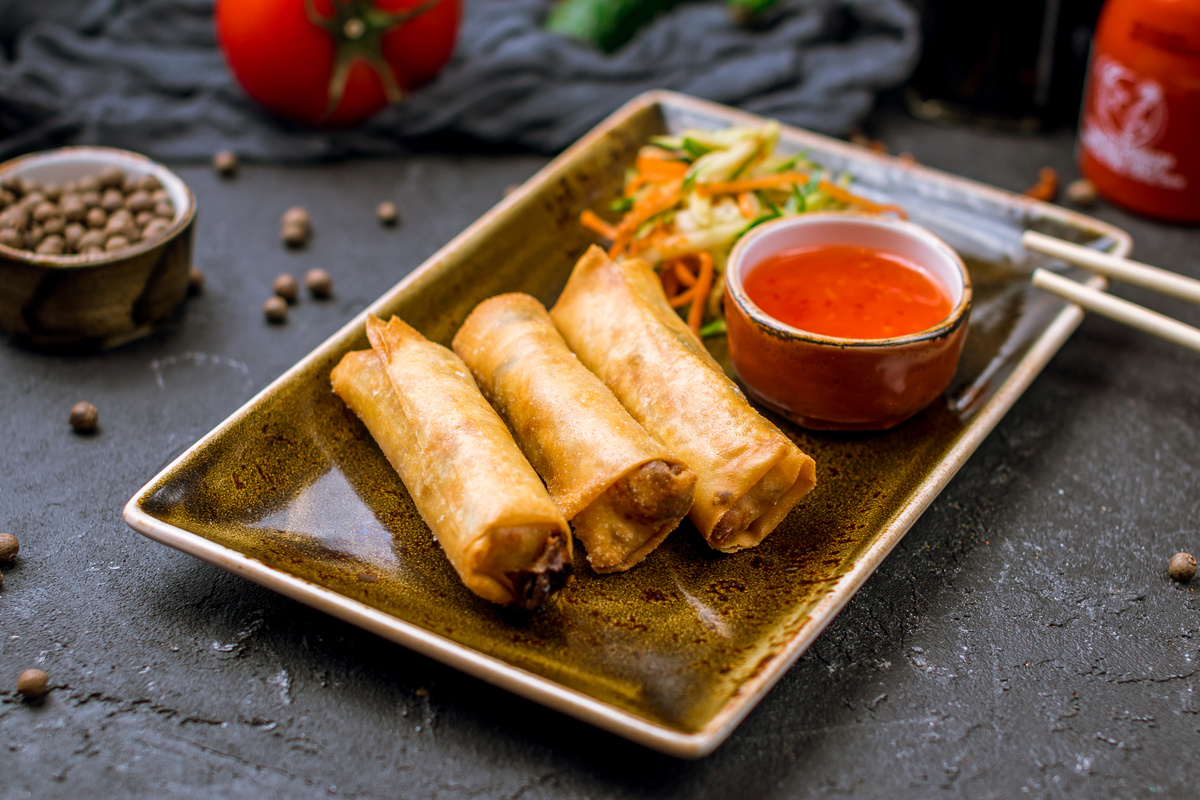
[1023, 639]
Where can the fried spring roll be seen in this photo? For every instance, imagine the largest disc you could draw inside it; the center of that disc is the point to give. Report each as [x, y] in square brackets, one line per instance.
[616, 318]
[621, 489]
[491, 514]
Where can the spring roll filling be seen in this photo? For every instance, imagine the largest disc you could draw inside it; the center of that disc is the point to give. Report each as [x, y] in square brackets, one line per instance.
[752, 505]
[654, 492]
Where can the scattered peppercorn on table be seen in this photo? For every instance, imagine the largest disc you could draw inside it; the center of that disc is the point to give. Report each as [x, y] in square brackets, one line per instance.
[1025, 636]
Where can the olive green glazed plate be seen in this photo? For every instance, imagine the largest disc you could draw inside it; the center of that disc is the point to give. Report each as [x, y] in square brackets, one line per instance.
[291, 491]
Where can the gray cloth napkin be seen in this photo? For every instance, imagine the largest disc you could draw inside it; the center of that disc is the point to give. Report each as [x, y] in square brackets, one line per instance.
[147, 75]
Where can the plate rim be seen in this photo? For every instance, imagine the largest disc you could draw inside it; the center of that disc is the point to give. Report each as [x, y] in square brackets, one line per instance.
[544, 690]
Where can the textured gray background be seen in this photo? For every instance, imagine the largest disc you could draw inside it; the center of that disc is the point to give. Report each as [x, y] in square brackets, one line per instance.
[1023, 638]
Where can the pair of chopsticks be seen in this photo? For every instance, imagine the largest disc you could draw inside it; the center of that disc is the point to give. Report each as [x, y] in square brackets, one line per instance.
[1144, 275]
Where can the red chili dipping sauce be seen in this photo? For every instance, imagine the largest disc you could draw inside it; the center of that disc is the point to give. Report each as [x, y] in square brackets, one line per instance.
[848, 292]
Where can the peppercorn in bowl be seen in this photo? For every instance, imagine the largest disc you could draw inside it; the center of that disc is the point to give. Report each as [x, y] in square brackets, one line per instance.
[95, 246]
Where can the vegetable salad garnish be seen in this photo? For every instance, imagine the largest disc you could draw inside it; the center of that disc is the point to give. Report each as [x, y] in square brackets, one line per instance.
[690, 197]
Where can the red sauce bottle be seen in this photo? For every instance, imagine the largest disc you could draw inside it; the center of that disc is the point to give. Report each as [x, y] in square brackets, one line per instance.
[1139, 132]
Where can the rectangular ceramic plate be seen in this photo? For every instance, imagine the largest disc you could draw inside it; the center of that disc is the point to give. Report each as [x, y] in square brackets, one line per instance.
[291, 492]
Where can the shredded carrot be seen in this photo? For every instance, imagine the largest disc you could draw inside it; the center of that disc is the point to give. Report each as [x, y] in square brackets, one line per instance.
[654, 238]
[838, 193]
[784, 178]
[592, 222]
[700, 291]
[645, 208]
[1047, 186]
[781, 180]
[745, 202]
[682, 299]
[660, 169]
[670, 283]
[679, 267]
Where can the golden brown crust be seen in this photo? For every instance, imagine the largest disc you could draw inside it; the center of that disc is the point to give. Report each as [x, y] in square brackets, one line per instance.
[484, 503]
[616, 319]
[578, 437]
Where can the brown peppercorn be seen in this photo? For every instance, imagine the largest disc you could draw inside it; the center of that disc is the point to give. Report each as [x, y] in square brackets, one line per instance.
[1082, 193]
[45, 210]
[319, 283]
[52, 191]
[118, 223]
[143, 218]
[7, 198]
[139, 201]
[84, 417]
[73, 234]
[275, 309]
[32, 683]
[297, 216]
[11, 183]
[16, 217]
[110, 177]
[29, 187]
[1182, 567]
[225, 163]
[54, 225]
[155, 228]
[92, 238]
[148, 183]
[34, 236]
[129, 185]
[286, 287]
[165, 210]
[195, 281]
[73, 207]
[388, 213]
[115, 243]
[11, 237]
[91, 250]
[90, 198]
[89, 183]
[160, 196]
[33, 200]
[96, 218]
[9, 547]
[294, 235]
[71, 187]
[52, 246]
[112, 200]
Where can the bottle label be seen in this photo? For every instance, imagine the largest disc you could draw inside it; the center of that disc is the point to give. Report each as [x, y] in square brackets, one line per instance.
[1128, 116]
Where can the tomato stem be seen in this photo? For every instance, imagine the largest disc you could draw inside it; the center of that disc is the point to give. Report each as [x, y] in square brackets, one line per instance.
[358, 28]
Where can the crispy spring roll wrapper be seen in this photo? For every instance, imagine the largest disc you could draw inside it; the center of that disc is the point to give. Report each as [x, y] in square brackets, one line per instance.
[618, 321]
[621, 489]
[491, 514]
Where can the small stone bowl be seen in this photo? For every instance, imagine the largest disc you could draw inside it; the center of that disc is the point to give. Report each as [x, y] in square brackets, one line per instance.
[829, 383]
[95, 301]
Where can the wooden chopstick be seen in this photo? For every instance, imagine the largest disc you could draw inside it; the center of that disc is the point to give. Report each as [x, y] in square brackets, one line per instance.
[1121, 310]
[1122, 269]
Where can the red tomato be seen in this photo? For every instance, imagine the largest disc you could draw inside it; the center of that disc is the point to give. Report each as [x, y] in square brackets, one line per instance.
[335, 62]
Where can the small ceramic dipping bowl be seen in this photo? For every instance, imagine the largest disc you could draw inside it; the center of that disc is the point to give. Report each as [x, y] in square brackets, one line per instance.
[92, 302]
[829, 383]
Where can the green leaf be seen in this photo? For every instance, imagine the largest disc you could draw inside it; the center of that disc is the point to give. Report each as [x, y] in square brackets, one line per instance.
[714, 328]
[796, 202]
[694, 148]
[759, 220]
[621, 204]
